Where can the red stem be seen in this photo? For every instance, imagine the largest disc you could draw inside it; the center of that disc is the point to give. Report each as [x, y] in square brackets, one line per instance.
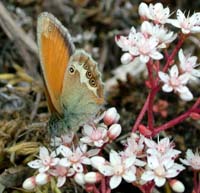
[95, 190]
[141, 114]
[174, 52]
[152, 94]
[103, 185]
[178, 119]
[195, 181]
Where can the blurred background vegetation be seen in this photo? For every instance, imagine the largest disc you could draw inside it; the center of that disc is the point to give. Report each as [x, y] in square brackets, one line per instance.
[93, 25]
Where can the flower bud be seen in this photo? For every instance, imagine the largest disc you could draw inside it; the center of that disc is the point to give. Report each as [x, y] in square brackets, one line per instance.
[92, 177]
[79, 178]
[145, 131]
[114, 131]
[195, 116]
[126, 58]
[143, 10]
[176, 185]
[111, 116]
[29, 183]
[42, 178]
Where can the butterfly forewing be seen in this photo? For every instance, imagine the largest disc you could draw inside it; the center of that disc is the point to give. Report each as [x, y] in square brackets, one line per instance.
[55, 49]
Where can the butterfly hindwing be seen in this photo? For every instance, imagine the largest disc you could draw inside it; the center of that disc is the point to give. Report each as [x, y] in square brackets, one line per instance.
[83, 81]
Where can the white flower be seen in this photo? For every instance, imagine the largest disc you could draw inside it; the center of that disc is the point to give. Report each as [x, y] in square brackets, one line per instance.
[126, 42]
[187, 24]
[61, 173]
[95, 136]
[156, 12]
[117, 168]
[188, 64]
[45, 162]
[158, 31]
[176, 83]
[192, 160]
[146, 48]
[163, 148]
[75, 158]
[63, 140]
[135, 145]
[160, 169]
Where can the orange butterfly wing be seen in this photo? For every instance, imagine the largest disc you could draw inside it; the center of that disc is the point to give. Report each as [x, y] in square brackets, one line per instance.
[55, 49]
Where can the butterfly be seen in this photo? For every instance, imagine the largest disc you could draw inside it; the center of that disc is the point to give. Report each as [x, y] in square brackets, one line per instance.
[73, 84]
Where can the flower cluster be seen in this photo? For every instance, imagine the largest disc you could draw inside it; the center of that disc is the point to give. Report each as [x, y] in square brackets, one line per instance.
[141, 161]
[154, 36]
[70, 161]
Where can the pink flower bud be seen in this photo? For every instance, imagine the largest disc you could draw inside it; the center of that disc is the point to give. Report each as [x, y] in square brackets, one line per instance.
[92, 177]
[29, 183]
[79, 178]
[111, 116]
[126, 58]
[176, 185]
[195, 116]
[114, 131]
[145, 131]
[42, 178]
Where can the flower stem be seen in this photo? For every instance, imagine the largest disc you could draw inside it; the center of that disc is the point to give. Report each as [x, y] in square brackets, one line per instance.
[141, 114]
[182, 117]
[170, 58]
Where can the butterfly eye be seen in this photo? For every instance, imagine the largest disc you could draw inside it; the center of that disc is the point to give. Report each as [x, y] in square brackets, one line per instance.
[71, 70]
[92, 82]
[89, 74]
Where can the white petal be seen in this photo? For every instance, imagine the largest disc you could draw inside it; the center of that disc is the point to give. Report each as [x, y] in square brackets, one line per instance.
[35, 164]
[156, 55]
[43, 153]
[147, 176]
[115, 158]
[181, 56]
[97, 161]
[129, 176]
[196, 73]
[144, 58]
[130, 161]
[189, 154]
[163, 76]
[174, 71]
[115, 181]
[180, 15]
[186, 96]
[184, 161]
[159, 181]
[167, 88]
[64, 162]
[87, 130]
[184, 78]
[65, 151]
[106, 170]
[61, 180]
[153, 162]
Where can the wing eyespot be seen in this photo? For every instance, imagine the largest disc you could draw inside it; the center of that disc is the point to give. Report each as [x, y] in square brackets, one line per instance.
[71, 70]
[92, 82]
[88, 74]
